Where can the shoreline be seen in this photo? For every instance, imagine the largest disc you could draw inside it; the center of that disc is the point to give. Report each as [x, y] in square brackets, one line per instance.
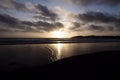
[14, 42]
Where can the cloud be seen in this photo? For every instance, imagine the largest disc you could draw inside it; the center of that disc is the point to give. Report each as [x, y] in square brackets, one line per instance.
[98, 17]
[96, 28]
[66, 15]
[8, 23]
[45, 13]
[11, 24]
[45, 26]
[59, 25]
[76, 24]
[8, 19]
[6, 4]
[20, 6]
[13, 4]
[45, 17]
[28, 23]
[90, 2]
[92, 21]
[96, 21]
[41, 12]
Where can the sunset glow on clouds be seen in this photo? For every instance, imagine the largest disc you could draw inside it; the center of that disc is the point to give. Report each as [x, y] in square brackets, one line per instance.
[39, 18]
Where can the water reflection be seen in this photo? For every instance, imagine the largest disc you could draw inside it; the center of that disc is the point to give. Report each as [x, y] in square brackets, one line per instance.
[56, 50]
[59, 49]
[29, 55]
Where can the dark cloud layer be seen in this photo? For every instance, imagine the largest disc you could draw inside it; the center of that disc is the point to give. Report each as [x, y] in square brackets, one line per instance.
[13, 4]
[59, 25]
[8, 19]
[6, 4]
[98, 17]
[97, 21]
[42, 12]
[9, 23]
[96, 28]
[46, 18]
[45, 13]
[20, 6]
[89, 2]
[76, 24]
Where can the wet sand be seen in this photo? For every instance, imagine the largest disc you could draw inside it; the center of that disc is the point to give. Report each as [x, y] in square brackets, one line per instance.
[106, 61]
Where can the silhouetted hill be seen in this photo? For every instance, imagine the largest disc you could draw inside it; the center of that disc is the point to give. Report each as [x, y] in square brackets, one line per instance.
[118, 37]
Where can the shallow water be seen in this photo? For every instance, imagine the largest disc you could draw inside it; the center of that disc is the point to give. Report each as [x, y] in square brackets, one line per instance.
[28, 55]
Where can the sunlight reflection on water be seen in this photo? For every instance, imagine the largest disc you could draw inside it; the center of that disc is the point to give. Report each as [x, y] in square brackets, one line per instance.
[59, 47]
[18, 56]
[56, 50]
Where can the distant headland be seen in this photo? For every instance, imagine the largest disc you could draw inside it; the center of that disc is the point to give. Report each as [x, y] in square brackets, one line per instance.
[92, 36]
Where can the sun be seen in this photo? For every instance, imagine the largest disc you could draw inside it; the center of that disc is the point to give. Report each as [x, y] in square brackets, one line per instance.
[59, 34]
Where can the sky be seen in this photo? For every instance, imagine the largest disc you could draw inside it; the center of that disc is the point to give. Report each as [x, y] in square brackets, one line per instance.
[41, 18]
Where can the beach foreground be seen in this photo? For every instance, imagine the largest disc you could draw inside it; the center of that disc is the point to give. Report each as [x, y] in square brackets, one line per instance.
[101, 62]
